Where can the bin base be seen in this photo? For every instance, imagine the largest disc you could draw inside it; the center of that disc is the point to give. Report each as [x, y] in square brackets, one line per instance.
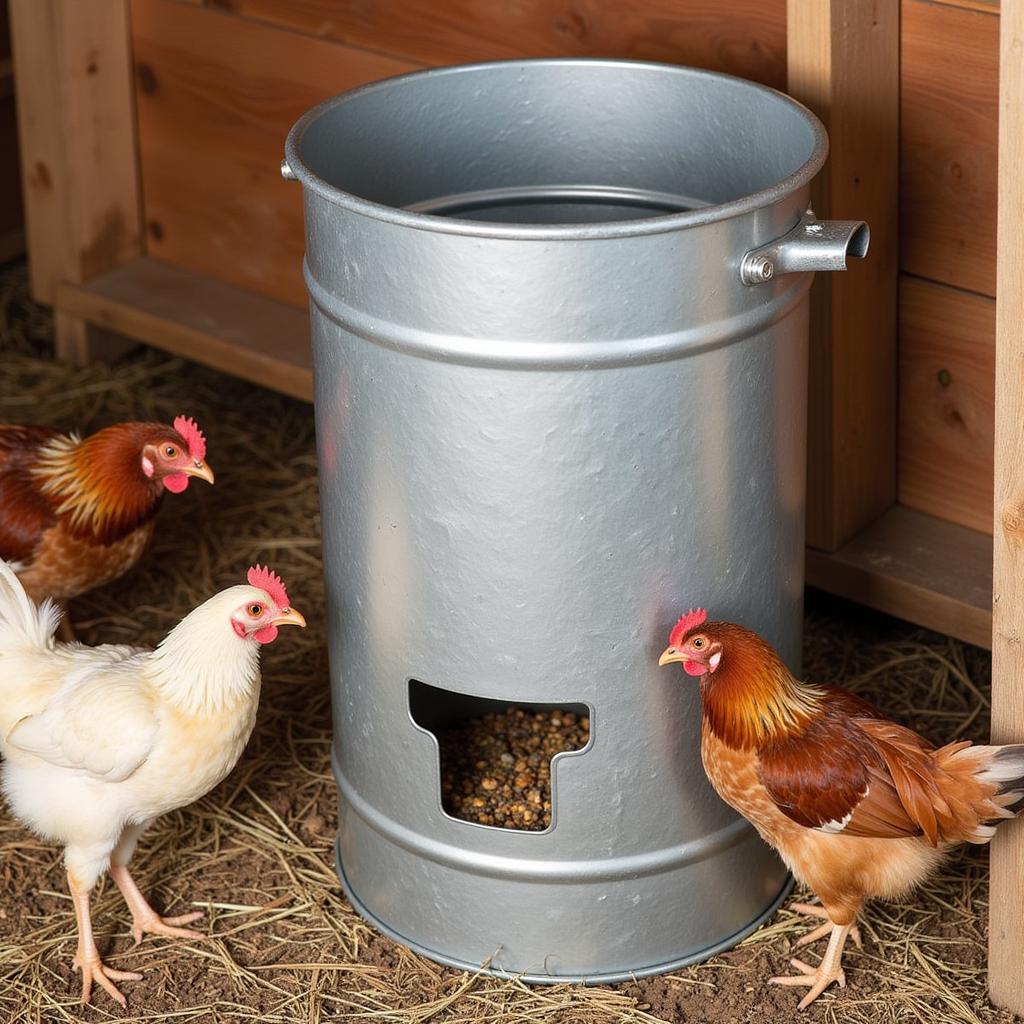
[606, 978]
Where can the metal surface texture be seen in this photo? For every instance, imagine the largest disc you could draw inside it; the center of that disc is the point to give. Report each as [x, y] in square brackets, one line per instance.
[551, 416]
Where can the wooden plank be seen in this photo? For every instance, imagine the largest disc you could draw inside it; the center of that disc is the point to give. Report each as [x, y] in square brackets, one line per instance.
[742, 37]
[216, 96]
[1006, 902]
[950, 72]
[917, 567]
[946, 421]
[844, 64]
[236, 331]
[76, 127]
[985, 6]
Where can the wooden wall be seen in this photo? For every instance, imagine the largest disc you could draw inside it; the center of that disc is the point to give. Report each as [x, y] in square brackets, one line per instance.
[12, 237]
[218, 85]
[949, 91]
[219, 82]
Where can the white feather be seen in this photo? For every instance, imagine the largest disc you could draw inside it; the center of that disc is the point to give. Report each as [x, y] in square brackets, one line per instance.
[22, 624]
[98, 740]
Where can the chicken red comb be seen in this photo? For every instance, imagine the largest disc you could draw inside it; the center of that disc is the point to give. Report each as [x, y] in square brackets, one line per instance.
[691, 620]
[193, 436]
[269, 582]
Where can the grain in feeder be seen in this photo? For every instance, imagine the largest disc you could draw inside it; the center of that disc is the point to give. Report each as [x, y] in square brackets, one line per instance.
[559, 319]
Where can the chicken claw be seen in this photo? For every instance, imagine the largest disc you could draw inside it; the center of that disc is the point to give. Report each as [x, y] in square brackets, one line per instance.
[157, 925]
[145, 920]
[94, 969]
[829, 970]
[813, 910]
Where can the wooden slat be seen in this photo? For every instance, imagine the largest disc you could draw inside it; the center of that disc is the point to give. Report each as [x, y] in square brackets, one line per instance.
[216, 96]
[1006, 902]
[917, 567]
[76, 127]
[77, 147]
[232, 330]
[947, 369]
[844, 64]
[985, 6]
[743, 37]
[950, 71]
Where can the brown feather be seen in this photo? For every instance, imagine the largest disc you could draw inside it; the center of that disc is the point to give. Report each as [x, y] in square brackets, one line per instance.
[76, 514]
[24, 511]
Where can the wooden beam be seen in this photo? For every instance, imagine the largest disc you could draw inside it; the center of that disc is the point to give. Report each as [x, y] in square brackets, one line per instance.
[916, 567]
[73, 85]
[233, 330]
[741, 37]
[1006, 900]
[844, 64]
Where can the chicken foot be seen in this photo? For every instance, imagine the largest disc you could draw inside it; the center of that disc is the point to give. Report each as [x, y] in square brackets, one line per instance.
[829, 970]
[87, 956]
[145, 920]
[813, 910]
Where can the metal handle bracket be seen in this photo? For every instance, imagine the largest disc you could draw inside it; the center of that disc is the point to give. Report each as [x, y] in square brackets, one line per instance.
[812, 245]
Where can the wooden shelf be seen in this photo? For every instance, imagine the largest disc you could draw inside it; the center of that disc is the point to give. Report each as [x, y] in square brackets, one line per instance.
[916, 567]
[236, 331]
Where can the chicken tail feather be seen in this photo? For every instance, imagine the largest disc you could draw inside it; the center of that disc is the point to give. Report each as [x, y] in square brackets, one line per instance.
[984, 785]
[1006, 770]
[23, 623]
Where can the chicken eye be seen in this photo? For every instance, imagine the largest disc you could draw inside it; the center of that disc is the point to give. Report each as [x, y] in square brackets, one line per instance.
[698, 642]
[255, 610]
[170, 452]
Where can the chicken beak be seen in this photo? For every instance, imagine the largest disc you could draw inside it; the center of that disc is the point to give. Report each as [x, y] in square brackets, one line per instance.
[200, 469]
[290, 617]
[669, 655]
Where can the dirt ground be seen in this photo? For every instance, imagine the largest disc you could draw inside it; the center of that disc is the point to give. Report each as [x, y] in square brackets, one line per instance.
[256, 854]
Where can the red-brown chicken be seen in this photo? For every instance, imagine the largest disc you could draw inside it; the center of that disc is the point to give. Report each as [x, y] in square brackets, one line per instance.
[857, 806]
[75, 514]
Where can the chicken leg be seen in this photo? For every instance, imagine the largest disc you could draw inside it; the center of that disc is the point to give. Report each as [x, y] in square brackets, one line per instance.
[812, 910]
[830, 969]
[87, 956]
[145, 920]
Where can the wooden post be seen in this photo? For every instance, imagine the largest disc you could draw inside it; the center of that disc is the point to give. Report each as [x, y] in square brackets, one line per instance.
[844, 64]
[1006, 899]
[76, 126]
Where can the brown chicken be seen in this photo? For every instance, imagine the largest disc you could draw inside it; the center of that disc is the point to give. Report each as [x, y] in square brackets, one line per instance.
[75, 514]
[857, 806]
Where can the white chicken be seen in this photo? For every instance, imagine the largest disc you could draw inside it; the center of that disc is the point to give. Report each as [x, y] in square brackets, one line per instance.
[99, 741]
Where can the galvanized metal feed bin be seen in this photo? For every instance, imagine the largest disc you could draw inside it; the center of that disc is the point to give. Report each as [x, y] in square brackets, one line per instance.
[559, 315]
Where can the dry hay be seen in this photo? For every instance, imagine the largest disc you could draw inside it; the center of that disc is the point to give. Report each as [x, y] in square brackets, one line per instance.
[256, 854]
